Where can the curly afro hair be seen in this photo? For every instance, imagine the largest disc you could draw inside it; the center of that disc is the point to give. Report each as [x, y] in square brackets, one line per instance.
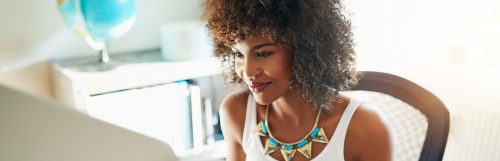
[316, 30]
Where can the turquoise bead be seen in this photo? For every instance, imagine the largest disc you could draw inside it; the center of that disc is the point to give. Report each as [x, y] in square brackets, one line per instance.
[302, 143]
[288, 147]
[264, 129]
[274, 142]
[315, 132]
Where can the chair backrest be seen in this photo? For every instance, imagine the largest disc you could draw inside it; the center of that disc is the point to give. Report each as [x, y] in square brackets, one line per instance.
[419, 120]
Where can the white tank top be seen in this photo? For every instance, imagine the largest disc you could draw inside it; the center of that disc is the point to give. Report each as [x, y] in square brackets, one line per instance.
[333, 151]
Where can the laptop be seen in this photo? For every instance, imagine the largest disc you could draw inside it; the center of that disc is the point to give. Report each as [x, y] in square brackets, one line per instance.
[37, 129]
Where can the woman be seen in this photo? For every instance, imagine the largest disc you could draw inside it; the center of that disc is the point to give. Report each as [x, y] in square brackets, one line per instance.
[294, 57]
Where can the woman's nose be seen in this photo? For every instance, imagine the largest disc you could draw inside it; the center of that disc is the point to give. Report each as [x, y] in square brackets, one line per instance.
[250, 70]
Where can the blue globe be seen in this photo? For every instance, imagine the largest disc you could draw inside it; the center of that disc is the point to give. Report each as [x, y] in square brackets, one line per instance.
[67, 8]
[68, 11]
[106, 20]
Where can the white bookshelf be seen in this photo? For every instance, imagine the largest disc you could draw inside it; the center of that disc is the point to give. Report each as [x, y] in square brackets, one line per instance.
[100, 94]
[72, 86]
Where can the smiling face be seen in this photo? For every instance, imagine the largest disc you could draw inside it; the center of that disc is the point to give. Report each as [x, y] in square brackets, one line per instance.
[265, 67]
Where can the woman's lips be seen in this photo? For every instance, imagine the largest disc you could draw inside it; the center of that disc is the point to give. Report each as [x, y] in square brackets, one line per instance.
[258, 86]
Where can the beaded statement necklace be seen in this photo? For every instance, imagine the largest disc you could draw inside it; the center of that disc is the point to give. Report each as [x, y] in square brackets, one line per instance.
[317, 134]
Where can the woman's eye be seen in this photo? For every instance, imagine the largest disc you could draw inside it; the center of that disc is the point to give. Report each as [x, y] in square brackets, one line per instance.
[263, 53]
[237, 54]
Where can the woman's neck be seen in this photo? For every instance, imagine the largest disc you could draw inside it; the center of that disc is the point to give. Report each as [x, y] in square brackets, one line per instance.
[292, 109]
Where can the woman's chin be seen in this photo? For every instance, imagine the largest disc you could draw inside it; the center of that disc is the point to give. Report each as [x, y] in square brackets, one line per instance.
[262, 100]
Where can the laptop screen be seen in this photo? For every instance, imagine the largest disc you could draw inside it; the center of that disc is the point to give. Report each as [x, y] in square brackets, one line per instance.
[37, 129]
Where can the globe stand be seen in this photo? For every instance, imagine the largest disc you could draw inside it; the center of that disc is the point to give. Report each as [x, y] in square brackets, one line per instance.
[104, 55]
[104, 63]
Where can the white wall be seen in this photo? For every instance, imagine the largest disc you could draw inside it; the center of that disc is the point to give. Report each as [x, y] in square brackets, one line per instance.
[451, 44]
[32, 32]
[452, 48]
[440, 33]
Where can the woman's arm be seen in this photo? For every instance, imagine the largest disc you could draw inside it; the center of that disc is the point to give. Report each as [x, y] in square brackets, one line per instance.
[232, 112]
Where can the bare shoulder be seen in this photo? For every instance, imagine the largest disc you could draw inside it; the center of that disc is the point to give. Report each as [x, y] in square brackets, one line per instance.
[370, 121]
[369, 137]
[232, 112]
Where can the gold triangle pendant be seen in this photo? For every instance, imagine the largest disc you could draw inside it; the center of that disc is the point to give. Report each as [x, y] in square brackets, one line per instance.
[288, 154]
[259, 129]
[269, 148]
[320, 137]
[306, 150]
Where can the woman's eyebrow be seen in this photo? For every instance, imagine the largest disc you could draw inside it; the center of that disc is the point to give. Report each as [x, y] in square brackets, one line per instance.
[261, 46]
[256, 47]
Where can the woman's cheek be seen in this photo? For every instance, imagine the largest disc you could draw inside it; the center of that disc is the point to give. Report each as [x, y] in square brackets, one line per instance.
[237, 69]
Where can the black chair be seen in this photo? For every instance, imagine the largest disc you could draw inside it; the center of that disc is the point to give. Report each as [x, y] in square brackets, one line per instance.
[420, 137]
